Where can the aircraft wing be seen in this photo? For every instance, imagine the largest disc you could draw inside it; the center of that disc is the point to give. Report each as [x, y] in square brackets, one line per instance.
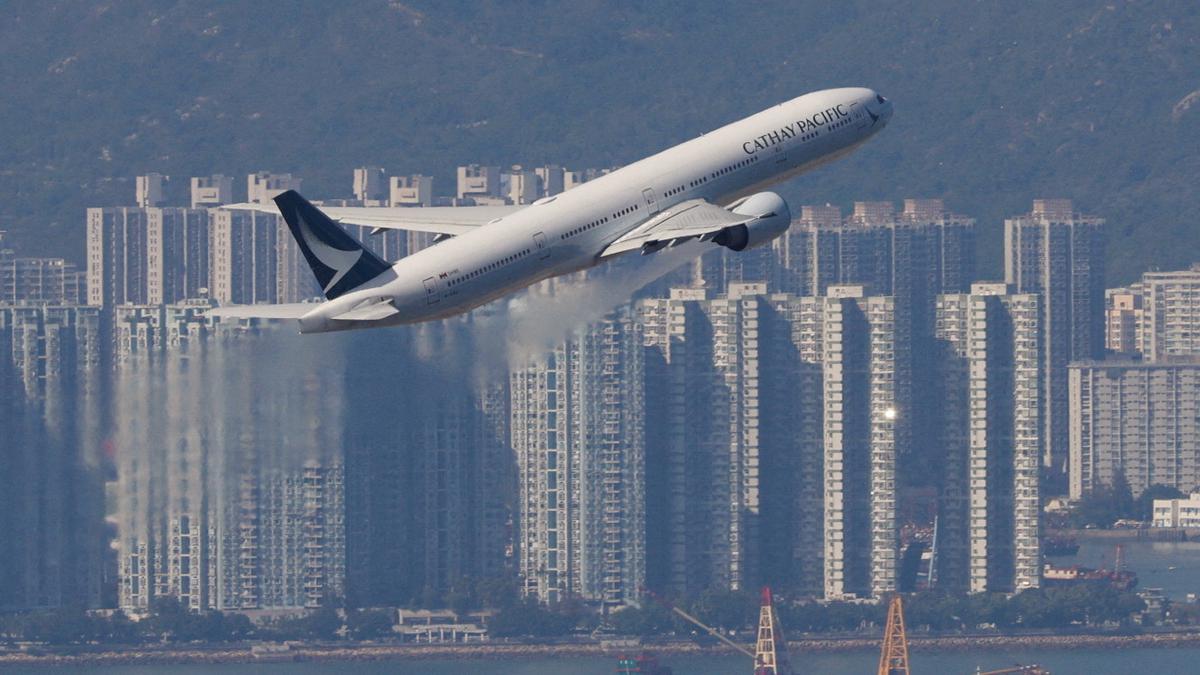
[694, 218]
[293, 310]
[447, 220]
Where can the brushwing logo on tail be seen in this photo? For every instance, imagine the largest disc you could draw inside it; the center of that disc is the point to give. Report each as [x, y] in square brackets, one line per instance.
[335, 259]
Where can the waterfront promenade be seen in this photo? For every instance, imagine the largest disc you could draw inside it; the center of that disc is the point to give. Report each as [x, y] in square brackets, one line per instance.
[300, 652]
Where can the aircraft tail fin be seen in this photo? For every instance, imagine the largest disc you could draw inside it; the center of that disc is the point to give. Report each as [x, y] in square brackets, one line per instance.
[339, 263]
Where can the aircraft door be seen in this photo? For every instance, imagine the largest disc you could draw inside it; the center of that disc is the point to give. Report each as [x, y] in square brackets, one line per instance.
[651, 200]
[539, 244]
[431, 290]
[861, 119]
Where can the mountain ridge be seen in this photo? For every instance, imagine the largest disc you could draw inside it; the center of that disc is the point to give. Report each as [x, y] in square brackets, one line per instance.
[996, 104]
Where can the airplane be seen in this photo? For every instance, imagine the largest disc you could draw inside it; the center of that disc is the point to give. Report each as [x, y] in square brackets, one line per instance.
[709, 189]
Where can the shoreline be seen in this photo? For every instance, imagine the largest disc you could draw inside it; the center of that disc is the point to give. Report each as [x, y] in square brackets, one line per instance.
[502, 651]
[1130, 535]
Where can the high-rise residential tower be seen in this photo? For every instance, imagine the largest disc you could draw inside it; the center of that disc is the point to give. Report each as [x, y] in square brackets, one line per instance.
[987, 390]
[1124, 312]
[578, 430]
[38, 281]
[1171, 313]
[51, 488]
[921, 251]
[865, 355]
[1059, 254]
[429, 472]
[244, 260]
[229, 485]
[735, 489]
[146, 255]
[1138, 419]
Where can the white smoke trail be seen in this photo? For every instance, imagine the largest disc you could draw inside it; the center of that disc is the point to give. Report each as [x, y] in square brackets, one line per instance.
[485, 343]
[545, 314]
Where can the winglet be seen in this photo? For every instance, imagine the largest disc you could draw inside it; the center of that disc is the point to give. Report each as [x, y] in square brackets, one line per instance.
[340, 263]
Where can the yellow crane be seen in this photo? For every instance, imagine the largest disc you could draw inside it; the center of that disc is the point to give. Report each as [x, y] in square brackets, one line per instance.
[893, 658]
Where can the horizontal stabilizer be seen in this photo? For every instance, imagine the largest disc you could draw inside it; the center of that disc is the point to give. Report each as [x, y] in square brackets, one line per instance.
[375, 312]
[289, 311]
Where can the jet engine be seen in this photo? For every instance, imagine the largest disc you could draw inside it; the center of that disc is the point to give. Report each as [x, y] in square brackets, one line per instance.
[772, 218]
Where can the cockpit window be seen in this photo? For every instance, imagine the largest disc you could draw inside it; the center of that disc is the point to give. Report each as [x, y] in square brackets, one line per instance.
[880, 99]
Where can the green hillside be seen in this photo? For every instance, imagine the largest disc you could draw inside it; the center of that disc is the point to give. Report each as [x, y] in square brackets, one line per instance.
[996, 102]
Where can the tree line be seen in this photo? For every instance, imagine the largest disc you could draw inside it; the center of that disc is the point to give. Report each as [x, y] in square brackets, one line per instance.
[1058, 607]
[168, 621]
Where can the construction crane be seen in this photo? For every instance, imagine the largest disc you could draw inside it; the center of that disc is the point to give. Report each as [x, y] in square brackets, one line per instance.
[1016, 670]
[770, 647]
[893, 658]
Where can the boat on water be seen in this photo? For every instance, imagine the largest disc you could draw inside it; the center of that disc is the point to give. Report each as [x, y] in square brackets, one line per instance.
[1119, 579]
[642, 664]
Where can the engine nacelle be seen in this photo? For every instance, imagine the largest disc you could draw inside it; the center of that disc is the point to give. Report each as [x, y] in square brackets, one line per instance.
[773, 219]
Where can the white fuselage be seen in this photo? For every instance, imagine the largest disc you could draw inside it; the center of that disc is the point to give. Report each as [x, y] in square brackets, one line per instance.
[567, 232]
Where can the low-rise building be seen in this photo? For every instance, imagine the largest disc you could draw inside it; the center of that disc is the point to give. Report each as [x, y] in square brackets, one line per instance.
[1182, 512]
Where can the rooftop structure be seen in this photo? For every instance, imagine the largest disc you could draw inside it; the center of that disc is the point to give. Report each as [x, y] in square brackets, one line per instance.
[478, 182]
[414, 190]
[150, 190]
[209, 191]
[370, 186]
[262, 186]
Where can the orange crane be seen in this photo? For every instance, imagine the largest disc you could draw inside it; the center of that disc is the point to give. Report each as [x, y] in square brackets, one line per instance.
[893, 658]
